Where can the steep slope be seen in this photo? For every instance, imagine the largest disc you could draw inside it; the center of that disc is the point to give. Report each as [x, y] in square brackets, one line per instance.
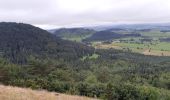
[14, 93]
[19, 41]
[75, 34]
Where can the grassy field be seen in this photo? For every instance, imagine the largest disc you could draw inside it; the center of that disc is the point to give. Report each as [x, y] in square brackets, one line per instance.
[76, 38]
[156, 33]
[15, 93]
[158, 49]
[161, 46]
[94, 56]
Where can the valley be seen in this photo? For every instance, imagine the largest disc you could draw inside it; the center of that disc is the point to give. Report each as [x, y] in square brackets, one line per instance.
[94, 67]
[153, 41]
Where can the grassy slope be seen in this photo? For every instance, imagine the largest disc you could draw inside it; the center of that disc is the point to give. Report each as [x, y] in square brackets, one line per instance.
[74, 34]
[77, 38]
[15, 93]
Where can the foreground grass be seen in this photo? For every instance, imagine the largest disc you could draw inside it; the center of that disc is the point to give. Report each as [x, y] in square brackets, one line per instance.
[15, 93]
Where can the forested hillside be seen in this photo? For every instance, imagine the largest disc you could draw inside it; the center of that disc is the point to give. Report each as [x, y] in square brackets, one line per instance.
[20, 41]
[114, 75]
[109, 35]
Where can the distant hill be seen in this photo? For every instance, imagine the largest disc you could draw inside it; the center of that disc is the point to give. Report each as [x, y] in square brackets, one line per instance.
[109, 35]
[75, 34]
[88, 35]
[15, 93]
[161, 26]
[19, 41]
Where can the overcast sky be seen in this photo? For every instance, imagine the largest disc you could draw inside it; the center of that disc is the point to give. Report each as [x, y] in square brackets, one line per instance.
[67, 13]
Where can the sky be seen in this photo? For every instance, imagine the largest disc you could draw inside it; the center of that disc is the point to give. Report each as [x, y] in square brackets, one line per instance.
[74, 13]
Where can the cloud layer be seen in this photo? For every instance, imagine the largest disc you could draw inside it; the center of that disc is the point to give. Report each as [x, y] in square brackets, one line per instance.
[50, 13]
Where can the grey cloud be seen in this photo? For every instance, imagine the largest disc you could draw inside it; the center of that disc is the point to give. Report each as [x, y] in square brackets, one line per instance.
[48, 12]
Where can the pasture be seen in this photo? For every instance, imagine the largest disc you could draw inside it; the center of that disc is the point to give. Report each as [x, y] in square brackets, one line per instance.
[157, 48]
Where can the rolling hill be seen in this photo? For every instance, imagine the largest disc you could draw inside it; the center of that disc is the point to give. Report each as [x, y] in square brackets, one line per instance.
[75, 34]
[109, 35]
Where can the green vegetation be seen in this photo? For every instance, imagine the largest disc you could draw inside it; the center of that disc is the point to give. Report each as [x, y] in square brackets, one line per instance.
[141, 77]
